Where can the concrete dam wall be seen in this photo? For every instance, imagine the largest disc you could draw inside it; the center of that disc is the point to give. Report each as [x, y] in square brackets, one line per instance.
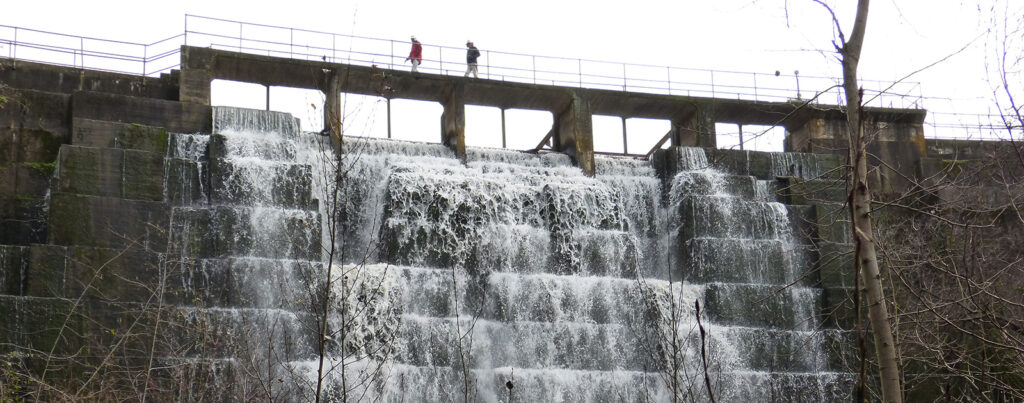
[152, 246]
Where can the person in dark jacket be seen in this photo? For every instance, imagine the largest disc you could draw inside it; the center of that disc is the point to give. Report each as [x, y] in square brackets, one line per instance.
[472, 53]
[416, 54]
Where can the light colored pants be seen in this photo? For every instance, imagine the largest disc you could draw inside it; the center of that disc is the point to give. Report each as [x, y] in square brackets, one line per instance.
[471, 68]
[415, 63]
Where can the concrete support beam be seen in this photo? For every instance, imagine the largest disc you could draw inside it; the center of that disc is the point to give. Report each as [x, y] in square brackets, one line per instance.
[453, 119]
[332, 109]
[196, 76]
[575, 134]
[697, 129]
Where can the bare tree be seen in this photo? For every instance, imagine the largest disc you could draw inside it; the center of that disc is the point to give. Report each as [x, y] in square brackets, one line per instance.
[865, 255]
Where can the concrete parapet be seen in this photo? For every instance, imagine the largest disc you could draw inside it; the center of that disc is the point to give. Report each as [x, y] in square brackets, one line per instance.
[65, 80]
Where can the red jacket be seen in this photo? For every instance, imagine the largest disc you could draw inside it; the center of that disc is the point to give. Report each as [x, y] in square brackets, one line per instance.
[417, 51]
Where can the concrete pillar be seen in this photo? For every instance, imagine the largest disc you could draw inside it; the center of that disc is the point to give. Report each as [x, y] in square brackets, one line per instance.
[696, 130]
[196, 75]
[332, 109]
[453, 119]
[575, 134]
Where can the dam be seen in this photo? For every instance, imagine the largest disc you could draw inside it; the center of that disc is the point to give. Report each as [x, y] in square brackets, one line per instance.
[156, 245]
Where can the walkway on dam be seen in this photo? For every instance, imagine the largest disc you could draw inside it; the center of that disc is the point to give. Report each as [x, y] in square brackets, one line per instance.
[534, 81]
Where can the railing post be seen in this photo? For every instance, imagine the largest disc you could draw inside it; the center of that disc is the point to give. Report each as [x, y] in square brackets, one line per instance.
[712, 83]
[534, 69]
[440, 57]
[624, 86]
[81, 51]
[14, 48]
[755, 85]
[668, 75]
[488, 59]
[145, 58]
[391, 61]
[291, 43]
[579, 69]
[239, 37]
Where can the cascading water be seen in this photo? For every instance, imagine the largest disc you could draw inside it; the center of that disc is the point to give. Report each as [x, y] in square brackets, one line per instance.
[511, 277]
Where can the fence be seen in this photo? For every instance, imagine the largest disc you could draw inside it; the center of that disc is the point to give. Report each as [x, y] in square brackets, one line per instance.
[160, 56]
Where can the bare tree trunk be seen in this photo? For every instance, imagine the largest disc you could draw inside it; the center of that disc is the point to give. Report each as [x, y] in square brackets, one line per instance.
[860, 208]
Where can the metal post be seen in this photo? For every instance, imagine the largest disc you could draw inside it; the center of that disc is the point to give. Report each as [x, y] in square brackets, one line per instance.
[291, 42]
[755, 85]
[712, 83]
[239, 37]
[14, 48]
[534, 69]
[268, 97]
[625, 148]
[440, 57]
[488, 59]
[389, 117]
[503, 145]
[668, 75]
[145, 57]
[741, 135]
[391, 65]
[81, 51]
[796, 74]
[334, 47]
[624, 85]
[579, 69]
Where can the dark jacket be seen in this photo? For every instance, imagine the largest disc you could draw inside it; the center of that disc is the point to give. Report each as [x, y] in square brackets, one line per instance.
[471, 54]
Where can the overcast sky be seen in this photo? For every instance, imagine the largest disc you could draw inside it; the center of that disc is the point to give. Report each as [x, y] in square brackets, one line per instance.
[742, 35]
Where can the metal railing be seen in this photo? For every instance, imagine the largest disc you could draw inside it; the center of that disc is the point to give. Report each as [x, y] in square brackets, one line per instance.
[88, 52]
[151, 59]
[306, 44]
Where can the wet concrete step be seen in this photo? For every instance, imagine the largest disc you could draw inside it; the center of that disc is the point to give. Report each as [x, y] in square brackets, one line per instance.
[260, 183]
[228, 231]
[430, 341]
[111, 172]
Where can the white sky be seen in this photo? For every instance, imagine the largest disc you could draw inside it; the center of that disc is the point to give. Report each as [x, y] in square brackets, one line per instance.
[741, 35]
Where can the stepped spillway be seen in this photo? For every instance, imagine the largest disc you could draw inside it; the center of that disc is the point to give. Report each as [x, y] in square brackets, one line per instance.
[450, 281]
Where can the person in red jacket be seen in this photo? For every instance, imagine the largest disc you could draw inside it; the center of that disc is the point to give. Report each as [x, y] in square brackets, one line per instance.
[416, 54]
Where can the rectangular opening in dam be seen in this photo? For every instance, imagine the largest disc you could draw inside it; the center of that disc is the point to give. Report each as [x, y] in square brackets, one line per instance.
[238, 94]
[483, 126]
[607, 133]
[305, 104]
[755, 137]
[364, 115]
[524, 128]
[416, 120]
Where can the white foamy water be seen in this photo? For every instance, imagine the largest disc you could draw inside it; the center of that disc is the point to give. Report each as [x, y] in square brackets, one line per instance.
[451, 281]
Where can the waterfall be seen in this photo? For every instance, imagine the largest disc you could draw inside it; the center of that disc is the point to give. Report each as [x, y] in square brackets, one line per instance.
[455, 281]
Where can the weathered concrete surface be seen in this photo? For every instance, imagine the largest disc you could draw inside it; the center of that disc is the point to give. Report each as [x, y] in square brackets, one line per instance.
[575, 133]
[111, 172]
[134, 136]
[453, 120]
[107, 222]
[65, 80]
[173, 116]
